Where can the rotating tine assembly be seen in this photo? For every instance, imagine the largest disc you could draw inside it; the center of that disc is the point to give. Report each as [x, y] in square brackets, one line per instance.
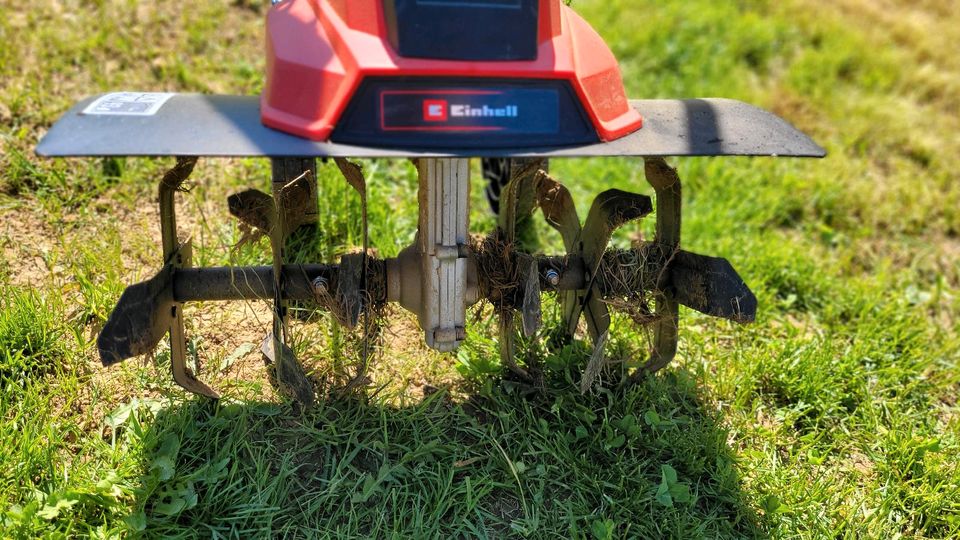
[523, 92]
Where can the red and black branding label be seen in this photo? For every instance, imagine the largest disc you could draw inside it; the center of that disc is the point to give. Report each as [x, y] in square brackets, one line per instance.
[508, 111]
[464, 113]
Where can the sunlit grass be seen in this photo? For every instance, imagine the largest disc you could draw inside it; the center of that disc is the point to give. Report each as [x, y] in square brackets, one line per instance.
[834, 415]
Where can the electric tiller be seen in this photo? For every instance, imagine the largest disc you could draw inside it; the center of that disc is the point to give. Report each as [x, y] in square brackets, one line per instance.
[437, 82]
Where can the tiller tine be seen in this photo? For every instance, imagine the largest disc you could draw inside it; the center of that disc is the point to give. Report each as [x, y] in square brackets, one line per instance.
[532, 313]
[355, 280]
[711, 286]
[289, 198]
[144, 314]
[559, 211]
[666, 183]
[137, 323]
[556, 203]
[147, 311]
[518, 202]
[610, 210]
[290, 378]
[253, 208]
[178, 255]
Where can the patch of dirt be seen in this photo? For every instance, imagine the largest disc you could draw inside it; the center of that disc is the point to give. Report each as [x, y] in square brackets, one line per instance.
[407, 368]
[25, 241]
[227, 329]
[861, 464]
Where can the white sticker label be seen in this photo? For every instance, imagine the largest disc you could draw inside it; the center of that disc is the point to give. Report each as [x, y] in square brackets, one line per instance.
[128, 103]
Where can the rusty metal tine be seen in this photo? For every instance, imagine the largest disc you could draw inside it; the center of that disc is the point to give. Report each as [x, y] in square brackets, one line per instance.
[182, 375]
[291, 378]
[610, 210]
[276, 235]
[517, 202]
[169, 185]
[508, 344]
[556, 203]
[558, 209]
[518, 198]
[507, 341]
[178, 256]
[348, 299]
[532, 313]
[296, 179]
[353, 173]
[666, 183]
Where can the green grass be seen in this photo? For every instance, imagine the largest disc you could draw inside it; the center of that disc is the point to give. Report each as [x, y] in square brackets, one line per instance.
[835, 415]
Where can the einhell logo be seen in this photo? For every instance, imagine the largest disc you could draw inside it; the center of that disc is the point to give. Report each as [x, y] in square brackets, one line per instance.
[460, 111]
[435, 110]
[440, 110]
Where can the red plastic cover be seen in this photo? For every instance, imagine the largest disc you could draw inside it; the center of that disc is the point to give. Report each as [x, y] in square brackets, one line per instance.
[319, 51]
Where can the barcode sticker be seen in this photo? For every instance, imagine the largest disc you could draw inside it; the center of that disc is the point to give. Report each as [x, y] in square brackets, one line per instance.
[128, 103]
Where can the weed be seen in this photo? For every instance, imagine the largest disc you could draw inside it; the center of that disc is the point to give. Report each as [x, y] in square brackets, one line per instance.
[31, 337]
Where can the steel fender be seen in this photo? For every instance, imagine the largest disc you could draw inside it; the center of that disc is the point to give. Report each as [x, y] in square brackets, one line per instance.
[229, 126]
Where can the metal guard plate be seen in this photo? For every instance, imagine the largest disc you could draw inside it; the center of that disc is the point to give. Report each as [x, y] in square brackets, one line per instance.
[229, 126]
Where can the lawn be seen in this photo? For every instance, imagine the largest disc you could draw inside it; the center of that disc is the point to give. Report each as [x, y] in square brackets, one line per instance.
[834, 415]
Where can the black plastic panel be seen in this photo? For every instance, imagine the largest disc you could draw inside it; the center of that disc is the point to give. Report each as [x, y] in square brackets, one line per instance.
[464, 113]
[472, 30]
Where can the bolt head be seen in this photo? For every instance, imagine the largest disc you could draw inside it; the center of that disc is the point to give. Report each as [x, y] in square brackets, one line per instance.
[552, 277]
[320, 285]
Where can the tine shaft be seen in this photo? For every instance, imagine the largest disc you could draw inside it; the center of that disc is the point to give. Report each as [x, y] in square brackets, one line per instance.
[517, 204]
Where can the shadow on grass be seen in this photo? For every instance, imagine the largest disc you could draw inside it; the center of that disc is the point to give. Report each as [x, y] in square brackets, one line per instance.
[650, 461]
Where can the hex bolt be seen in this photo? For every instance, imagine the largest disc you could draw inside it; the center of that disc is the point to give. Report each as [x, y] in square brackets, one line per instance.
[320, 286]
[552, 277]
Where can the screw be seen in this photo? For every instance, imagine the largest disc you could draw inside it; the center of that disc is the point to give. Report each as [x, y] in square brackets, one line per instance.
[320, 286]
[553, 277]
